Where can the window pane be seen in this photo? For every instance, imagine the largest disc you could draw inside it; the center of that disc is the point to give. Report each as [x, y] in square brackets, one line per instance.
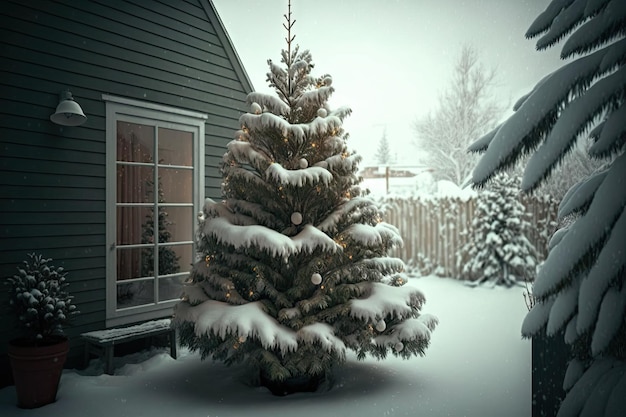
[175, 147]
[135, 293]
[135, 142]
[174, 259]
[171, 288]
[175, 224]
[176, 185]
[134, 225]
[135, 184]
[134, 262]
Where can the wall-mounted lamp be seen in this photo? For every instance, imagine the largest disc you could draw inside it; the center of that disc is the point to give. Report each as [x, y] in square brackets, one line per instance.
[68, 111]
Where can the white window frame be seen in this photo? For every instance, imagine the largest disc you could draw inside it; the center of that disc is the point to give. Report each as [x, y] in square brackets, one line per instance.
[136, 111]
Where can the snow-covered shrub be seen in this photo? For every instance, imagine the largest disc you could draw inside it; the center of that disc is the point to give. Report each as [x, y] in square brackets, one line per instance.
[498, 250]
[421, 265]
[39, 298]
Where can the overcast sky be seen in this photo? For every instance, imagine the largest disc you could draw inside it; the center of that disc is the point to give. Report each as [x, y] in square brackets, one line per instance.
[391, 59]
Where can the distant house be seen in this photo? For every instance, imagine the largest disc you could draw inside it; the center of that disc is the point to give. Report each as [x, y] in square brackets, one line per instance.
[395, 179]
[114, 200]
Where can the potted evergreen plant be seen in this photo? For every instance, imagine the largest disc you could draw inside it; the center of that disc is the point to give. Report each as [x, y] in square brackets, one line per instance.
[39, 299]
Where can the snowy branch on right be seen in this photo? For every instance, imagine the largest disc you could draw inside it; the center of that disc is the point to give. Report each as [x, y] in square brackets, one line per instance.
[580, 290]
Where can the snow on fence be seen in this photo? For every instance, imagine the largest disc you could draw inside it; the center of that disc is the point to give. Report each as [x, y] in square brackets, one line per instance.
[434, 229]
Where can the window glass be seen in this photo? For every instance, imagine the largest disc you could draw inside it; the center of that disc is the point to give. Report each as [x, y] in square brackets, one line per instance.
[135, 142]
[175, 147]
[175, 185]
[155, 175]
[154, 212]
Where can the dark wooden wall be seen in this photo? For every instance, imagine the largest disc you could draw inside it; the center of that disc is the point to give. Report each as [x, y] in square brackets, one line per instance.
[52, 178]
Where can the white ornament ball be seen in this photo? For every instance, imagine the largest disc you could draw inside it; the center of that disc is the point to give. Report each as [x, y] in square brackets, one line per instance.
[304, 163]
[328, 81]
[296, 218]
[256, 108]
[398, 347]
[316, 279]
[322, 113]
[381, 326]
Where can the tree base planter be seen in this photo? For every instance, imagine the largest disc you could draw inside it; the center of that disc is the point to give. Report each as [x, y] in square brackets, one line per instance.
[37, 371]
[304, 383]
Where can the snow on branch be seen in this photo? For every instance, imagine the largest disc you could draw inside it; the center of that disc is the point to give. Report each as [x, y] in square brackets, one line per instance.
[536, 318]
[374, 235]
[384, 301]
[244, 152]
[329, 224]
[410, 329]
[265, 121]
[611, 133]
[564, 307]
[580, 195]
[535, 118]
[325, 335]
[543, 22]
[298, 177]
[573, 120]
[606, 269]
[586, 232]
[266, 239]
[272, 103]
[213, 209]
[386, 265]
[322, 125]
[597, 30]
[246, 321]
[314, 98]
[336, 162]
[341, 112]
[564, 22]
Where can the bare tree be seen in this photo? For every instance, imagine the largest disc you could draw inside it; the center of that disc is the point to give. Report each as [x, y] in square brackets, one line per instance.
[466, 111]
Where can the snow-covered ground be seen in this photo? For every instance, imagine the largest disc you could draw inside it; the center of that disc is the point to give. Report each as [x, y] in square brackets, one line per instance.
[477, 365]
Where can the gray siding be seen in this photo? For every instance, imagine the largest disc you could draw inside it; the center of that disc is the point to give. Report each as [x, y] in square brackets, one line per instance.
[52, 178]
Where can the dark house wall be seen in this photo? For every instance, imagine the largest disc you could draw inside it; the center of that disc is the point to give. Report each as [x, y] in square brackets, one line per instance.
[52, 178]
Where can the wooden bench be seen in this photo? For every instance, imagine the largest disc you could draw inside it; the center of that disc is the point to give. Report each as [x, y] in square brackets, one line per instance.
[102, 342]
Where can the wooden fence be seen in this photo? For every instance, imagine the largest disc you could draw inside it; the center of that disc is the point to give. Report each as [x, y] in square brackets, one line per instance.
[434, 229]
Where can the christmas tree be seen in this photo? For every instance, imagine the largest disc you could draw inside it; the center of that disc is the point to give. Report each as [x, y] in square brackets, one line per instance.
[168, 260]
[498, 250]
[294, 269]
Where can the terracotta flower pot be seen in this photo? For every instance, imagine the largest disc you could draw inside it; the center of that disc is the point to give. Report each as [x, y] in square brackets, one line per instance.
[37, 370]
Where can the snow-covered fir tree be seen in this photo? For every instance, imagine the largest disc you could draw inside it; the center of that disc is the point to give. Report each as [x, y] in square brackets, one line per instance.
[294, 269]
[498, 250]
[581, 288]
[383, 152]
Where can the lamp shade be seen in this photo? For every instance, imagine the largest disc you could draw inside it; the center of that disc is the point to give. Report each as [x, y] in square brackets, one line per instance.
[68, 112]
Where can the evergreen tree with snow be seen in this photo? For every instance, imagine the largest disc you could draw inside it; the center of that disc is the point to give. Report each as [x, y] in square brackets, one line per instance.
[580, 290]
[294, 269]
[168, 260]
[498, 251]
[383, 153]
